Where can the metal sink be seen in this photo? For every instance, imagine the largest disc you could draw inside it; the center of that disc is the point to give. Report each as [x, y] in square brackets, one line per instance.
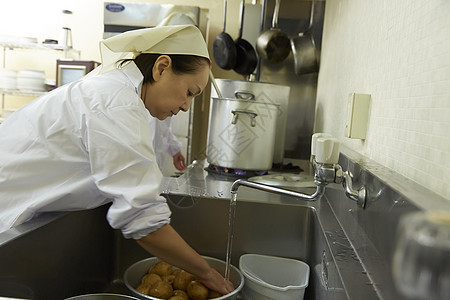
[78, 253]
[289, 230]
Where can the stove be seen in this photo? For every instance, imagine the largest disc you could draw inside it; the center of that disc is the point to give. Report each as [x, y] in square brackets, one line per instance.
[237, 173]
[288, 168]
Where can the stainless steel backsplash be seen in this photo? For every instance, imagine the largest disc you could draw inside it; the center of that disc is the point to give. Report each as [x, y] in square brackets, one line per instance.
[294, 18]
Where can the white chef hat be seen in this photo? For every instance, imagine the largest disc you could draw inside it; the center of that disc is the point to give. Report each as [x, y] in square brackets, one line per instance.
[174, 39]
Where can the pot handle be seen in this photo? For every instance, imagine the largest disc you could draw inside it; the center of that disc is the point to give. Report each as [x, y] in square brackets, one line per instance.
[236, 113]
[244, 95]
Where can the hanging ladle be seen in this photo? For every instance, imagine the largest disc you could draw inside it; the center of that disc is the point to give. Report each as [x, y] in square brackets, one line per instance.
[216, 87]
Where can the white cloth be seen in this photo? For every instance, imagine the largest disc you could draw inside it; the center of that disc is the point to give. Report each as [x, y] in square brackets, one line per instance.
[78, 146]
[174, 39]
[164, 141]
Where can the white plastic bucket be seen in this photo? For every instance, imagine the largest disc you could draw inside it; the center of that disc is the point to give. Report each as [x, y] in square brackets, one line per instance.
[273, 278]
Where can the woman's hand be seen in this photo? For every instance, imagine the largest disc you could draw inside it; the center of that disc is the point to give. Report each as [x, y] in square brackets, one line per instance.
[166, 244]
[179, 161]
[216, 282]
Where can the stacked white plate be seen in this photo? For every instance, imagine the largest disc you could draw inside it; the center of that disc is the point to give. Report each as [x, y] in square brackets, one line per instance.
[31, 80]
[8, 79]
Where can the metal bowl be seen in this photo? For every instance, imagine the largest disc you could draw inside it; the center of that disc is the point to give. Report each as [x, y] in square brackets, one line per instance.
[135, 272]
[103, 296]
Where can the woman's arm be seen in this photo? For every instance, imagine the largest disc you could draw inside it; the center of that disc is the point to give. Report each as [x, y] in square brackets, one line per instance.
[166, 244]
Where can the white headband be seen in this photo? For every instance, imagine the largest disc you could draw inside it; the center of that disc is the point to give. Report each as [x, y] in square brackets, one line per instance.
[174, 39]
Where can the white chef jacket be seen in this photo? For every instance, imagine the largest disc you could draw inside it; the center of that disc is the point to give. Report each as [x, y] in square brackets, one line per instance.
[164, 141]
[80, 146]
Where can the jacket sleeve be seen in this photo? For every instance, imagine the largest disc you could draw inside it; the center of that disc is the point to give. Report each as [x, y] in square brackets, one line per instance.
[124, 168]
[174, 145]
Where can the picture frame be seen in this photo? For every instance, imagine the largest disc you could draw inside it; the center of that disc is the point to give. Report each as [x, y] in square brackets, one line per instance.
[71, 70]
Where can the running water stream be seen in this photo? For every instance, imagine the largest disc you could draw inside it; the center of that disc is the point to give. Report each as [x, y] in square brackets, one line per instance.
[320, 189]
[231, 217]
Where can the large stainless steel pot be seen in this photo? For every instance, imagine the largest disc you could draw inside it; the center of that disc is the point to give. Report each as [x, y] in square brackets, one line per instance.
[241, 133]
[261, 92]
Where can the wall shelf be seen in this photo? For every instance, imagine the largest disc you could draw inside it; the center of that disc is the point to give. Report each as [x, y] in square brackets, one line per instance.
[17, 43]
[16, 92]
[11, 45]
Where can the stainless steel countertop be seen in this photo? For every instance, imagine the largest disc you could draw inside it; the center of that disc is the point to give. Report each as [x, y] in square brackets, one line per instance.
[197, 182]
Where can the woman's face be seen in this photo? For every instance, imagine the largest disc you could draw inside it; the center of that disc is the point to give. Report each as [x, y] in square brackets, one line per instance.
[170, 92]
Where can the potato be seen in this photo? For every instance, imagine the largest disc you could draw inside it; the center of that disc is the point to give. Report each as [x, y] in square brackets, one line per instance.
[161, 268]
[150, 279]
[213, 294]
[176, 272]
[181, 294]
[182, 279]
[161, 290]
[177, 298]
[143, 289]
[165, 282]
[168, 278]
[197, 291]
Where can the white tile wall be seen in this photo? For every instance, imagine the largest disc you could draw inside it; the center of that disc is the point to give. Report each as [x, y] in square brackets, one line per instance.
[399, 52]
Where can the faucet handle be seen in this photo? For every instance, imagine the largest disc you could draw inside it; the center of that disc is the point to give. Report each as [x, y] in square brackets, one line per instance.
[327, 150]
[314, 138]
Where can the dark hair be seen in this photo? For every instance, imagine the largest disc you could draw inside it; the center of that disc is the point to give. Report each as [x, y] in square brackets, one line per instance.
[181, 64]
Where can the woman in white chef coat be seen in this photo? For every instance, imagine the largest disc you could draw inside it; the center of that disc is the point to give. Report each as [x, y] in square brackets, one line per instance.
[89, 142]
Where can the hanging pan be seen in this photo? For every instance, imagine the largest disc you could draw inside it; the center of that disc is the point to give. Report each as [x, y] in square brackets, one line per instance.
[246, 59]
[273, 44]
[224, 49]
[304, 49]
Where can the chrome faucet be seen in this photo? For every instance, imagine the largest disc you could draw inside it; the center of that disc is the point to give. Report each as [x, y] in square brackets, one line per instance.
[332, 173]
[320, 190]
[324, 155]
